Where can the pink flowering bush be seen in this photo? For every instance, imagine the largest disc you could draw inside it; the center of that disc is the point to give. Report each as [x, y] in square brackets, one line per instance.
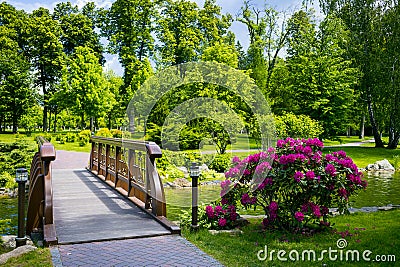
[294, 183]
[220, 216]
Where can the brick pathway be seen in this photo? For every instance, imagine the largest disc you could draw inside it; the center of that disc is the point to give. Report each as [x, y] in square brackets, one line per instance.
[171, 250]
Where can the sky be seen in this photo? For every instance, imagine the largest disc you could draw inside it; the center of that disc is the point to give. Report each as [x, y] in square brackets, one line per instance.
[227, 6]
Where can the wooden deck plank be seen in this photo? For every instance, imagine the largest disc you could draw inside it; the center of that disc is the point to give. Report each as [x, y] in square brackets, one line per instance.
[86, 209]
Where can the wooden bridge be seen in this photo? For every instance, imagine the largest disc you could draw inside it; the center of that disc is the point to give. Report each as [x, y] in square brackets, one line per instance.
[118, 196]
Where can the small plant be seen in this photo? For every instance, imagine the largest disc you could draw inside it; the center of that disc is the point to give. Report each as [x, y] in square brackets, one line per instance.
[84, 137]
[70, 137]
[221, 163]
[7, 181]
[104, 132]
[116, 133]
[210, 175]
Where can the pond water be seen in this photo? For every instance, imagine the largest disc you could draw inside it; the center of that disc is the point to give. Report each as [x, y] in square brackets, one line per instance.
[382, 190]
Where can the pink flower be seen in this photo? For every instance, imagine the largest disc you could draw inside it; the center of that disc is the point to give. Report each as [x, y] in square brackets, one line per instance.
[273, 206]
[210, 212]
[310, 175]
[218, 210]
[235, 160]
[245, 199]
[233, 216]
[263, 167]
[299, 216]
[324, 210]
[222, 222]
[316, 211]
[298, 176]
[224, 201]
[330, 170]
[343, 192]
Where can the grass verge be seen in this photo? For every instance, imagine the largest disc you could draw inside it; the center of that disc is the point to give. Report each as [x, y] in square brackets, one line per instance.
[378, 232]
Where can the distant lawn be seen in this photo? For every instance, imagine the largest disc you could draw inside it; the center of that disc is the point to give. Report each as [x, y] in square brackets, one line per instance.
[378, 232]
[344, 140]
[362, 156]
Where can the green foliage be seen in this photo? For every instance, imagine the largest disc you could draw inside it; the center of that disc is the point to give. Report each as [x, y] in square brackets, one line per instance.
[15, 155]
[116, 133]
[210, 175]
[104, 132]
[84, 137]
[185, 218]
[4, 224]
[300, 126]
[7, 181]
[221, 163]
[171, 173]
[70, 137]
[84, 87]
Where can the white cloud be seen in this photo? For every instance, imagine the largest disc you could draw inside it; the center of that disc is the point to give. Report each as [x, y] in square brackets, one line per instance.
[30, 6]
[113, 64]
[98, 3]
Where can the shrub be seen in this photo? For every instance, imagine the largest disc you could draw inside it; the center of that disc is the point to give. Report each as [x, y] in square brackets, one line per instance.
[297, 126]
[104, 132]
[116, 133]
[70, 137]
[84, 137]
[293, 183]
[221, 163]
[7, 181]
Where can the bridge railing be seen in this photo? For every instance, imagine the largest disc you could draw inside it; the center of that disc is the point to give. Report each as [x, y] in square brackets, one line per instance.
[40, 198]
[129, 167]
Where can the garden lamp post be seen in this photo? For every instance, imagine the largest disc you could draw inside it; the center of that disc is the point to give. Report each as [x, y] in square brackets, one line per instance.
[21, 177]
[194, 174]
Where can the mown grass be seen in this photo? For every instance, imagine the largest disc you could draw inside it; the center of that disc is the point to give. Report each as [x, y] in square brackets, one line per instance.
[40, 257]
[362, 156]
[378, 232]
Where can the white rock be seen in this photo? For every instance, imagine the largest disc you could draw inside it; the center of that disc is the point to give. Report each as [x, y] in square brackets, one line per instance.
[16, 253]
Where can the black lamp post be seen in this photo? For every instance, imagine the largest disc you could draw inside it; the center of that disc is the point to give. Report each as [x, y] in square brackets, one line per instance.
[194, 174]
[21, 177]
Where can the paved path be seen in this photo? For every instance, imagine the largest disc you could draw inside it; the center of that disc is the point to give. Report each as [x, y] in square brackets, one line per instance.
[169, 250]
[98, 227]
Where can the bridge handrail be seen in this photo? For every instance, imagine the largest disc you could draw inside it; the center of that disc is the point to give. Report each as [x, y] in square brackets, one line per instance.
[129, 167]
[40, 198]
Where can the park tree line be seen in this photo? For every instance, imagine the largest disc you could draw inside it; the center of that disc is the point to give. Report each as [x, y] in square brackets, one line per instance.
[340, 71]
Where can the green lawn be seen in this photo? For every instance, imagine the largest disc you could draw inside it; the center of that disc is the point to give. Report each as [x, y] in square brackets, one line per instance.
[362, 156]
[378, 232]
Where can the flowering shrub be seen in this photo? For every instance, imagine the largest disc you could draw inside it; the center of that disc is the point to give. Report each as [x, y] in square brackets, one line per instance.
[221, 216]
[293, 183]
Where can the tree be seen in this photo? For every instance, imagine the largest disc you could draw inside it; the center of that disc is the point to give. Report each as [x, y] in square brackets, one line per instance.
[178, 32]
[322, 80]
[268, 32]
[85, 87]
[46, 54]
[128, 26]
[78, 28]
[16, 92]
[360, 17]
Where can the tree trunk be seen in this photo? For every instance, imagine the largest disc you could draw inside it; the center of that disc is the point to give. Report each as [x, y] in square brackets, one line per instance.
[83, 121]
[375, 131]
[45, 108]
[91, 124]
[362, 128]
[55, 120]
[50, 119]
[14, 123]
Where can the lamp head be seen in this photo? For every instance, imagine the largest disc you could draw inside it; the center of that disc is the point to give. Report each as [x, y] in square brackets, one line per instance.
[21, 175]
[194, 170]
